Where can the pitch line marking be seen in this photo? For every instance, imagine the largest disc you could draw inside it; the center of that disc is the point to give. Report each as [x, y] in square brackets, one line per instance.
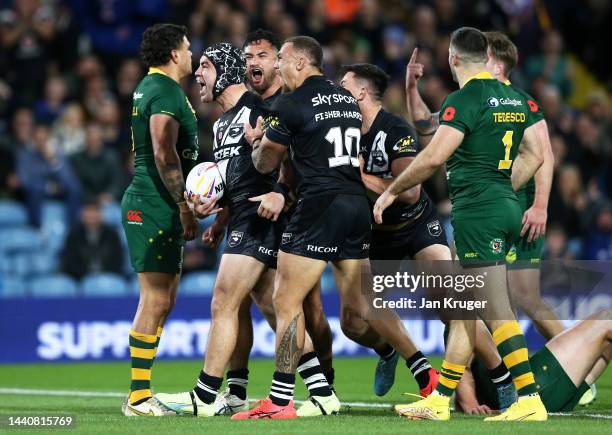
[76, 393]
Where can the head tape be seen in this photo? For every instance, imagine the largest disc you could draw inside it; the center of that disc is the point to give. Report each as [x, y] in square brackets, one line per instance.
[230, 65]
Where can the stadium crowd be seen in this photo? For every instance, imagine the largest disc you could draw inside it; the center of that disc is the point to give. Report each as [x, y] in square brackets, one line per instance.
[68, 70]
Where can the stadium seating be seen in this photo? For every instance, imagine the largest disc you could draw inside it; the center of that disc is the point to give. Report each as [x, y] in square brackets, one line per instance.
[54, 225]
[12, 287]
[111, 214]
[52, 286]
[197, 283]
[12, 214]
[104, 284]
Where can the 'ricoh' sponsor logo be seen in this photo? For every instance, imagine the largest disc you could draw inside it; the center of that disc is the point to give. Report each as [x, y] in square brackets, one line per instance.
[268, 252]
[322, 249]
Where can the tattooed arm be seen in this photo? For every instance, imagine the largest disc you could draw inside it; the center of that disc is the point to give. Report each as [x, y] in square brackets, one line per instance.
[288, 351]
[267, 155]
[164, 135]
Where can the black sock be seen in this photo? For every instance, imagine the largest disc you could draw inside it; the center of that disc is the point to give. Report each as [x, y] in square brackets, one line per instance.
[419, 366]
[330, 376]
[207, 387]
[500, 374]
[237, 381]
[281, 392]
[386, 352]
[310, 370]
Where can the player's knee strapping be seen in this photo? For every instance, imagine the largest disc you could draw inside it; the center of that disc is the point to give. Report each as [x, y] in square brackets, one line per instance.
[142, 353]
[450, 375]
[513, 350]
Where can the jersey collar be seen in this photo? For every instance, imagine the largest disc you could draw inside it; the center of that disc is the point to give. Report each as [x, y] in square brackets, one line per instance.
[154, 70]
[480, 76]
[507, 82]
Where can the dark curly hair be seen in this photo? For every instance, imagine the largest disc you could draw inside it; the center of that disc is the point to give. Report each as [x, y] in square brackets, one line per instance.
[158, 41]
[261, 34]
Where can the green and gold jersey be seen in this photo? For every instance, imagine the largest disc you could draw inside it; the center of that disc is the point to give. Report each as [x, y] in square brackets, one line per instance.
[536, 115]
[493, 116]
[158, 93]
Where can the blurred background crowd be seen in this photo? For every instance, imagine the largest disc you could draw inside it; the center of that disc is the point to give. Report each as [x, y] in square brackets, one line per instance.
[68, 69]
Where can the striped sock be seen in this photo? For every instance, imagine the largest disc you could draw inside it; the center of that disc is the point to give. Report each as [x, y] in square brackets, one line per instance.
[419, 366]
[207, 387]
[310, 370]
[142, 353]
[158, 335]
[281, 392]
[330, 376]
[450, 375]
[512, 348]
[237, 381]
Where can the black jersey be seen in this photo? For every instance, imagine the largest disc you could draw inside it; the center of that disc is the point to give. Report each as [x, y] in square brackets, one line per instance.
[389, 138]
[233, 152]
[320, 122]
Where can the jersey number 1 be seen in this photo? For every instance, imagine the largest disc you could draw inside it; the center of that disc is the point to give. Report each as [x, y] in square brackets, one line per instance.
[352, 136]
[507, 141]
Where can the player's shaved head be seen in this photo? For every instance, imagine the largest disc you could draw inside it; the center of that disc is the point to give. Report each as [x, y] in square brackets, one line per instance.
[469, 44]
[374, 76]
[309, 47]
[502, 49]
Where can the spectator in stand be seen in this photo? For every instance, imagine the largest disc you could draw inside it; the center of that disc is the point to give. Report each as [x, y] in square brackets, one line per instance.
[130, 73]
[26, 31]
[69, 130]
[598, 244]
[92, 246]
[44, 172]
[97, 168]
[556, 247]
[49, 108]
[567, 202]
[551, 64]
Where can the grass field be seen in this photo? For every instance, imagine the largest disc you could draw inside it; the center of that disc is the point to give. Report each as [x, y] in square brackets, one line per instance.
[99, 414]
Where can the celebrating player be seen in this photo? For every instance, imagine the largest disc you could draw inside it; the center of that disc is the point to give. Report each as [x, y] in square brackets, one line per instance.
[481, 187]
[321, 123]
[252, 220]
[561, 377]
[260, 49]
[155, 217]
[412, 227]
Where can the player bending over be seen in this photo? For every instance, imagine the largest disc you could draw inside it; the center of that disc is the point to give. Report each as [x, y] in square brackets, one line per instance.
[412, 228]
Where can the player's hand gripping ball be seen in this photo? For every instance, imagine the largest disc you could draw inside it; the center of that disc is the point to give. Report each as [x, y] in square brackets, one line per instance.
[206, 181]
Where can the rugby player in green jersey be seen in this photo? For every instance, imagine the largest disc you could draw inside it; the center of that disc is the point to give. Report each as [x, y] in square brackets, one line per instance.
[561, 378]
[482, 125]
[155, 217]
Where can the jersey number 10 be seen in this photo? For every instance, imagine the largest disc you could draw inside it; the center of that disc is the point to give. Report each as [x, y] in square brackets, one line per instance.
[344, 152]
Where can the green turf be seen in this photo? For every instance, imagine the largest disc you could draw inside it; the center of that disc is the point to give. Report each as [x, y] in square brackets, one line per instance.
[353, 383]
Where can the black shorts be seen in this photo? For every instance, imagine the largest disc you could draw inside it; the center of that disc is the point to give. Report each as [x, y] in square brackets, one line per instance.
[405, 242]
[251, 235]
[329, 227]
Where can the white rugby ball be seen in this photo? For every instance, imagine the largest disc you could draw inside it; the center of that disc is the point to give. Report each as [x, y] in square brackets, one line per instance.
[206, 180]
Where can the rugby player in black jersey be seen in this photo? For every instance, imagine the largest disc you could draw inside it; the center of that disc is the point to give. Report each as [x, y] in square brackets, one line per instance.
[412, 228]
[260, 50]
[251, 213]
[320, 123]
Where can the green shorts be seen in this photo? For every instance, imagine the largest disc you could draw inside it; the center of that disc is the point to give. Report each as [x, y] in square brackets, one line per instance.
[525, 255]
[556, 389]
[154, 233]
[484, 233]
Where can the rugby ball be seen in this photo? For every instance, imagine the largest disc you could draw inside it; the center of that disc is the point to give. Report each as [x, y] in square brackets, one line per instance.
[205, 180]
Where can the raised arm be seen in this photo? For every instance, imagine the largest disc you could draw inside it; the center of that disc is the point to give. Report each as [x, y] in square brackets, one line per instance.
[164, 135]
[419, 114]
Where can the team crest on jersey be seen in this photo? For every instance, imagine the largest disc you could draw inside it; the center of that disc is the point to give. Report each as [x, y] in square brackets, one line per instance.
[235, 131]
[286, 238]
[235, 238]
[434, 228]
[497, 246]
